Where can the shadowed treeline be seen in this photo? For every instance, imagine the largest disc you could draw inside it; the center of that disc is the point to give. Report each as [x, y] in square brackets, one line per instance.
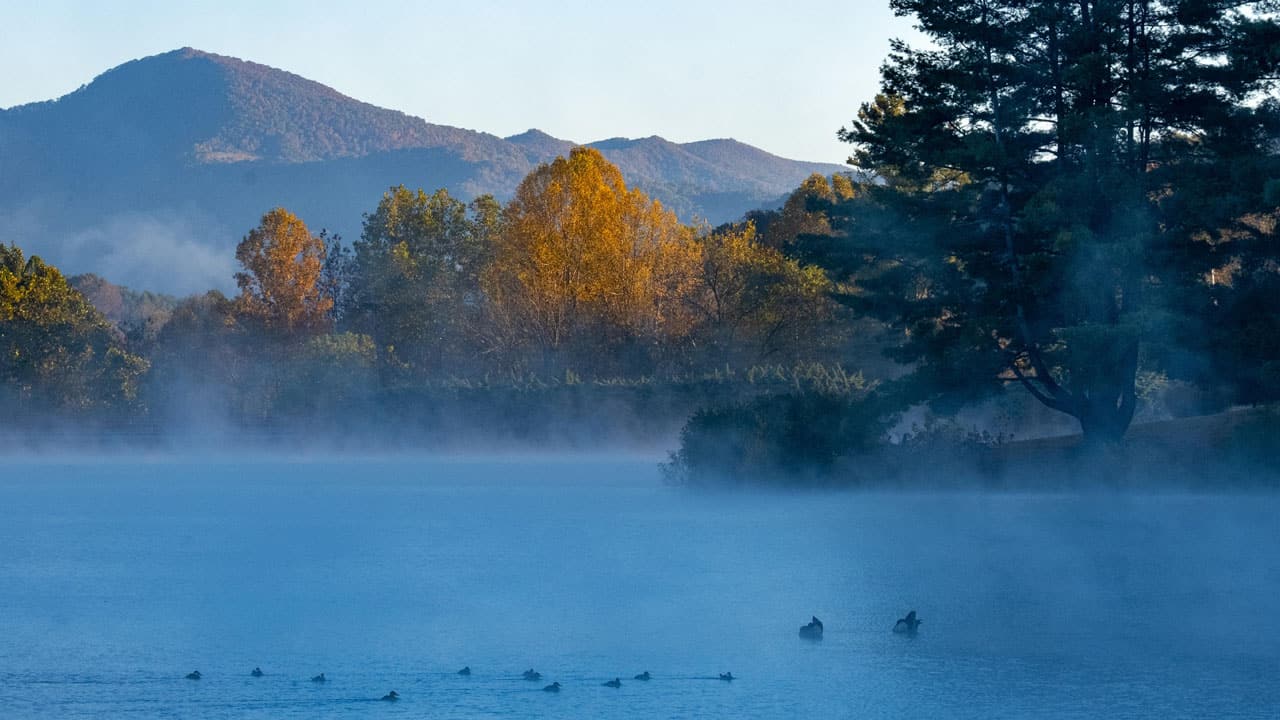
[1076, 200]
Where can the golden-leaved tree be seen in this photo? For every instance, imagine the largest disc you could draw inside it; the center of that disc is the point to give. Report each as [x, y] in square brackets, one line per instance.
[798, 216]
[587, 264]
[280, 286]
[754, 304]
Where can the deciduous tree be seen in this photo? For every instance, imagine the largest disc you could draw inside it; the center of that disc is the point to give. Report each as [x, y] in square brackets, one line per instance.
[756, 304]
[584, 262]
[56, 351]
[280, 285]
[415, 275]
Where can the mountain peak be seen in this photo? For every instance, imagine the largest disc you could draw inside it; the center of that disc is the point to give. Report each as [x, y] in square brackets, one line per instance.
[190, 52]
[212, 109]
[533, 135]
[623, 143]
[539, 147]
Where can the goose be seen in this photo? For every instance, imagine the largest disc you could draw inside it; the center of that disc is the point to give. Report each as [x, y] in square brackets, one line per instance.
[907, 625]
[812, 631]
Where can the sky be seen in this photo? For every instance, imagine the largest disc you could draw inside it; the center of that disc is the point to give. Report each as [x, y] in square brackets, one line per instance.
[783, 76]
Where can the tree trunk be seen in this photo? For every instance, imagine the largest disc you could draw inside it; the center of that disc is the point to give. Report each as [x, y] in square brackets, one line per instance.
[1105, 412]
[1104, 422]
[1104, 409]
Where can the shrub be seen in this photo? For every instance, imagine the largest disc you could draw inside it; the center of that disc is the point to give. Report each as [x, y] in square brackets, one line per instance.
[801, 437]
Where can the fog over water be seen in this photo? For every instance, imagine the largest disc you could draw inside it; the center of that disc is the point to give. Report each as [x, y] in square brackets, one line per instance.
[118, 577]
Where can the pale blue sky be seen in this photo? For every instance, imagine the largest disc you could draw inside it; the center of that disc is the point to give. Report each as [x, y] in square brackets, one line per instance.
[780, 75]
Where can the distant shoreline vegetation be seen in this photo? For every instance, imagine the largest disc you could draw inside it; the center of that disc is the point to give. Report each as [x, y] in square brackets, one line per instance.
[581, 312]
[496, 414]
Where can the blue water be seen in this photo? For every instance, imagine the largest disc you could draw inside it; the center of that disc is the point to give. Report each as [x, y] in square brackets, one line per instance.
[117, 578]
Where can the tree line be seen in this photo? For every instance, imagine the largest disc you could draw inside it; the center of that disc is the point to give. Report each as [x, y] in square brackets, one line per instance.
[1071, 201]
[577, 278]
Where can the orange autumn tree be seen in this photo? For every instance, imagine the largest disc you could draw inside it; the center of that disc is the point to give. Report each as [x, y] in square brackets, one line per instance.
[586, 263]
[280, 286]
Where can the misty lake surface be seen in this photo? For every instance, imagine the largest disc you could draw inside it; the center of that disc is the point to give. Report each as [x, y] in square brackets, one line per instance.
[117, 578]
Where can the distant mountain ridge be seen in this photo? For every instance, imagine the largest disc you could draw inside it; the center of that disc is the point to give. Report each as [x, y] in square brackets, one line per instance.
[191, 147]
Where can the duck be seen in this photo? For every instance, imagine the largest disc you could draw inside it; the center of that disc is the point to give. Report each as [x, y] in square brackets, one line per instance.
[532, 675]
[257, 672]
[644, 676]
[907, 625]
[726, 676]
[465, 671]
[319, 678]
[812, 631]
[614, 683]
[391, 696]
[193, 675]
[553, 687]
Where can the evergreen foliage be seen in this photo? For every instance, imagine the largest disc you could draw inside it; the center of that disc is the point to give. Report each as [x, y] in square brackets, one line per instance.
[1048, 173]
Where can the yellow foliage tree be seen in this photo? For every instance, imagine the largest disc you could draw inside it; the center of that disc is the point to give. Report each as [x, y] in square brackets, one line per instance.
[753, 298]
[585, 258]
[280, 286]
[842, 186]
[796, 219]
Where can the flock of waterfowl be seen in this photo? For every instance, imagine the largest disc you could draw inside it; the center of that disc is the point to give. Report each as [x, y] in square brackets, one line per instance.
[529, 674]
[905, 626]
[811, 631]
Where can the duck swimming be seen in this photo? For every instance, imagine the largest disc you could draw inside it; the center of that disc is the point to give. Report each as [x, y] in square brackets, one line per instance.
[644, 676]
[193, 675]
[727, 677]
[532, 675]
[614, 683]
[907, 625]
[319, 678]
[553, 687]
[391, 696]
[465, 671]
[257, 672]
[812, 631]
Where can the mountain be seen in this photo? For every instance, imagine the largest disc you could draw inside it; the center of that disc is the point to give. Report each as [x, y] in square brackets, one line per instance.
[538, 146]
[150, 174]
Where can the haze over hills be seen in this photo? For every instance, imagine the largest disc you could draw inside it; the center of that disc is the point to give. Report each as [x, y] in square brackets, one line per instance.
[150, 174]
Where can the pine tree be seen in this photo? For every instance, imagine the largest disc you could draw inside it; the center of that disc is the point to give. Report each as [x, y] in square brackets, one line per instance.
[1044, 172]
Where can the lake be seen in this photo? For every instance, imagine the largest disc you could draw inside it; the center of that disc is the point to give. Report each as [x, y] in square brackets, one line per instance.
[120, 576]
